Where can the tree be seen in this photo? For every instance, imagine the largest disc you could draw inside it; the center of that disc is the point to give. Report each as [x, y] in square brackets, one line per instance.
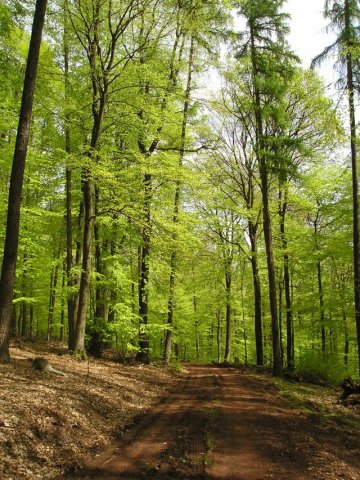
[344, 18]
[71, 311]
[271, 69]
[148, 139]
[16, 182]
[177, 205]
[236, 177]
[199, 21]
[312, 128]
[104, 68]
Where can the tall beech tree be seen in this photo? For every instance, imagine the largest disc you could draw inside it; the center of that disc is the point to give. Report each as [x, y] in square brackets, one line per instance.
[105, 66]
[324, 214]
[241, 176]
[177, 205]
[224, 228]
[148, 140]
[71, 311]
[344, 19]
[311, 128]
[271, 69]
[16, 181]
[236, 177]
[200, 20]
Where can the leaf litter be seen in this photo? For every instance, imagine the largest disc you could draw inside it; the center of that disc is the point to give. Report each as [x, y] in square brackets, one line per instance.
[49, 423]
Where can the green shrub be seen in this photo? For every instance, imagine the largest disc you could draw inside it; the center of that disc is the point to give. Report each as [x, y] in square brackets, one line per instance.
[316, 366]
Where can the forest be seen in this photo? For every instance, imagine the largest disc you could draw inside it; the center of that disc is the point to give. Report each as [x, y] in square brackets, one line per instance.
[147, 211]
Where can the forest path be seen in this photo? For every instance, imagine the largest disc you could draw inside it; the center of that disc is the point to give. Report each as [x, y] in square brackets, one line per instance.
[223, 424]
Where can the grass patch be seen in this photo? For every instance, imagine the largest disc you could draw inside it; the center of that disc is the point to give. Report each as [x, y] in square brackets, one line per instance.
[212, 411]
[202, 460]
[318, 403]
[176, 367]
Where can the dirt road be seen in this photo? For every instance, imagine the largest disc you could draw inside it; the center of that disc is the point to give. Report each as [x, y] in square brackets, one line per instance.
[222, 424]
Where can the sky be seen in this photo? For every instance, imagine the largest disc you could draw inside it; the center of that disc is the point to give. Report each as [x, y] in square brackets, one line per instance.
[307, 38]
[307, 35]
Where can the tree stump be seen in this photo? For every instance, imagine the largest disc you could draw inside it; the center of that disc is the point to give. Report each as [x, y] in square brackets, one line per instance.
[349, 388]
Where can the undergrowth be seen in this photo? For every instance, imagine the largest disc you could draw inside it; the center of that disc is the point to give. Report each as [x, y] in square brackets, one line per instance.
[331, 369]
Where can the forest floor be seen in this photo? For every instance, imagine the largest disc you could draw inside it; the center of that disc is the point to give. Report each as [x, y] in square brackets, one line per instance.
[50, 423]
[236, 424]
[106, 420]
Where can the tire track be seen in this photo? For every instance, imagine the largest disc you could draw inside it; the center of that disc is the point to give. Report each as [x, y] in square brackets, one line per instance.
[222, 424]
[169, 441]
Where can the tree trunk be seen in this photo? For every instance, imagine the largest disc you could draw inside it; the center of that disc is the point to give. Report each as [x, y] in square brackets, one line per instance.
[13, 326]
[144, 345]
[346, 334]
[16, 182]
[62, 317]
[321, 304]
[170, 315]
[99, 77]
[112, 302]
[355, 180]
[69, 241]
[289, 316]
[261, 148]
[287, 289]
[257, 296]
[100, 306]
[143, 354]
[24, 326]
[271, 268]
[78, 257]
[246, 361]
[52, 299]
[31, 325]
[69, 256]
[280, 313]
[197, 338]
[170, 318]
[218, 334]
[228, 312]
[86, 263]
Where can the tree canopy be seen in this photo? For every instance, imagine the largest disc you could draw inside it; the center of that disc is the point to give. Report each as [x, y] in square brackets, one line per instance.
[170, 223]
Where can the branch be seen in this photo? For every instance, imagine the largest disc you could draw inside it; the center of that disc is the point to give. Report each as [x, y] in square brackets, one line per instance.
[185, 150]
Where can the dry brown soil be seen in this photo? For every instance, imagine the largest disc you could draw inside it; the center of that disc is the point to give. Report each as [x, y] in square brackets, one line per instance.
[108, 420]
[48, 423]
[227, 424]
